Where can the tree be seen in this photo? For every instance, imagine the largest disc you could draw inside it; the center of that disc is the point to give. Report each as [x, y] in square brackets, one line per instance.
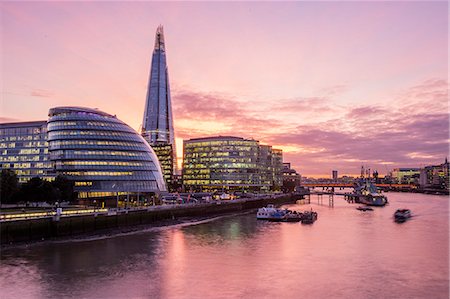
[30, 190]
[64, 187]
[9, 185]
[38, 190]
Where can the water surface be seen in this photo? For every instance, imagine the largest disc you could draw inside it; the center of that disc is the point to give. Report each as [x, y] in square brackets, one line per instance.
[345, 254]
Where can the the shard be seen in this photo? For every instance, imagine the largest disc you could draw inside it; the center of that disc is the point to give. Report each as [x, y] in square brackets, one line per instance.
[157, 125]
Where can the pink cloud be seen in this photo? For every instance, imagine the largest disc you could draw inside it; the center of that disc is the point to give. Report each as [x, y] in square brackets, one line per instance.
[43, 93]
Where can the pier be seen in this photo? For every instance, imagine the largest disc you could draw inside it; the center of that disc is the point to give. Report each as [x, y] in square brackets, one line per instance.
[347, 196]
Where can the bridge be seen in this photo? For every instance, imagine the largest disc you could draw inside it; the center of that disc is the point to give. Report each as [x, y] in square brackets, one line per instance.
[349, 185]
[347, 196]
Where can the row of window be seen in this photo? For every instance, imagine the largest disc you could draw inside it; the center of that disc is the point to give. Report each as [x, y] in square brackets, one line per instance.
[189, 144]
[22, 131]
[23, 144]
[128, 175]
[229, 176]
[35, 158]
[92, 134]
[222, 171]
[243, 162]
[104, 153]
[104, 163]
[26, 151]
[85, 144]
[188, 155]
[53, 126]
[22, 138]
[27, 165]
[221, 149]
[221, 182]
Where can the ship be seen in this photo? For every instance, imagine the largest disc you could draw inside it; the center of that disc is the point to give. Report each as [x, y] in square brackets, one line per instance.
[367, 193]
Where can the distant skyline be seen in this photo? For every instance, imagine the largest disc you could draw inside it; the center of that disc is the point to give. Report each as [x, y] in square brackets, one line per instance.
[336, 85]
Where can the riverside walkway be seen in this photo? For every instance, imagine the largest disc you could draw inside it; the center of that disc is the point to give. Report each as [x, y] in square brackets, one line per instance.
[71, 212]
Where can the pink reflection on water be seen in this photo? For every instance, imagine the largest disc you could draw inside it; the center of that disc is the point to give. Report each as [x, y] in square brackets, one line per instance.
[344, 254]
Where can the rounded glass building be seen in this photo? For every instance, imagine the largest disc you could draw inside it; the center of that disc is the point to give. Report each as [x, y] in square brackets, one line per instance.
[100, 153]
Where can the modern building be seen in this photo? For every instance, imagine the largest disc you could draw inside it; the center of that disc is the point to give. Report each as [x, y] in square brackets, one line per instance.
[291, 178]
[405, 175]
[335, 175]
[270, 163]
[435, 176]
[230, 163]
[277, 174]
[157, 125]
[101, 154]
[24, 150]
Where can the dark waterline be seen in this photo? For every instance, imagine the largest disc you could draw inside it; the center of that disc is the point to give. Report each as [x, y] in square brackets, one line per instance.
[345, 254]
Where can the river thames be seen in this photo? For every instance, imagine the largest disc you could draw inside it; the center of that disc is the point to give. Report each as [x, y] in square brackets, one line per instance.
[345, 254]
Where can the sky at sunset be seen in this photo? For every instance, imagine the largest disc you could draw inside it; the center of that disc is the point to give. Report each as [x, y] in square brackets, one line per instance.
[334, 84]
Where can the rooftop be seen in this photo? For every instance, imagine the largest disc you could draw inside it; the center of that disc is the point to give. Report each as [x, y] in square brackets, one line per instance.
[218, 138]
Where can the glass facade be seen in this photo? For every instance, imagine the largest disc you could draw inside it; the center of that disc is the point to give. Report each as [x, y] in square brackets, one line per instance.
[229, 163]
[24, 150]
[164, 152]
[101, 153]
[157, 125]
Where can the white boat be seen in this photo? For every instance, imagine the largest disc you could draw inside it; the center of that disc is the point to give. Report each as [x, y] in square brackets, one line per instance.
[266, 212]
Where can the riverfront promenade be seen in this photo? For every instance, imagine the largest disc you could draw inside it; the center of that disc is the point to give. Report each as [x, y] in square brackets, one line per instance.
[35, 226]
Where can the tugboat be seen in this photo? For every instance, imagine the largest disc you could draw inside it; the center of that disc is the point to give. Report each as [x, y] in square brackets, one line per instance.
[293, 216]
[401, 215]
[309, 217]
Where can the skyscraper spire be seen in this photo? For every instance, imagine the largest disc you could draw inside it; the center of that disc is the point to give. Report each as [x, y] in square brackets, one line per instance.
[157, 125]
[159, 39]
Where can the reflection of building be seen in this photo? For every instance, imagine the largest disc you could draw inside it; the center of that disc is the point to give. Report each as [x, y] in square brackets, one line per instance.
[157, 125]
[24, 150]
[335, 175]
[100, 153]
[406, 175]
[230, 163]
[291, 178]
[435, 176]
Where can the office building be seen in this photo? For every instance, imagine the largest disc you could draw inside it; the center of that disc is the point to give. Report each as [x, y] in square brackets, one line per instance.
[406, 175]
[435, 176]
[291, 178]
[335, 175]
[101, 154]
[230, 163]
[157, 125]
[24, 150]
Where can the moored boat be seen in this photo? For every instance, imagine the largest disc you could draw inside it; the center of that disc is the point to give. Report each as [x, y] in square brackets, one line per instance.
[309, 217]
[265, 213]
[277, 216]
[293, 217]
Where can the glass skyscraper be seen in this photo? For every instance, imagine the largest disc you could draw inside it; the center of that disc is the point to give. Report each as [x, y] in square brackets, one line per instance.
[157, 125]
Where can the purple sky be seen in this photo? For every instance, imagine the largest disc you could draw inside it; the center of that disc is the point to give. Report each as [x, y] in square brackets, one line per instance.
[334, 84]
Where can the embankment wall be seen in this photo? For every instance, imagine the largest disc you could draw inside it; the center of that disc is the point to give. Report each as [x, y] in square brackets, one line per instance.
[31, 230]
